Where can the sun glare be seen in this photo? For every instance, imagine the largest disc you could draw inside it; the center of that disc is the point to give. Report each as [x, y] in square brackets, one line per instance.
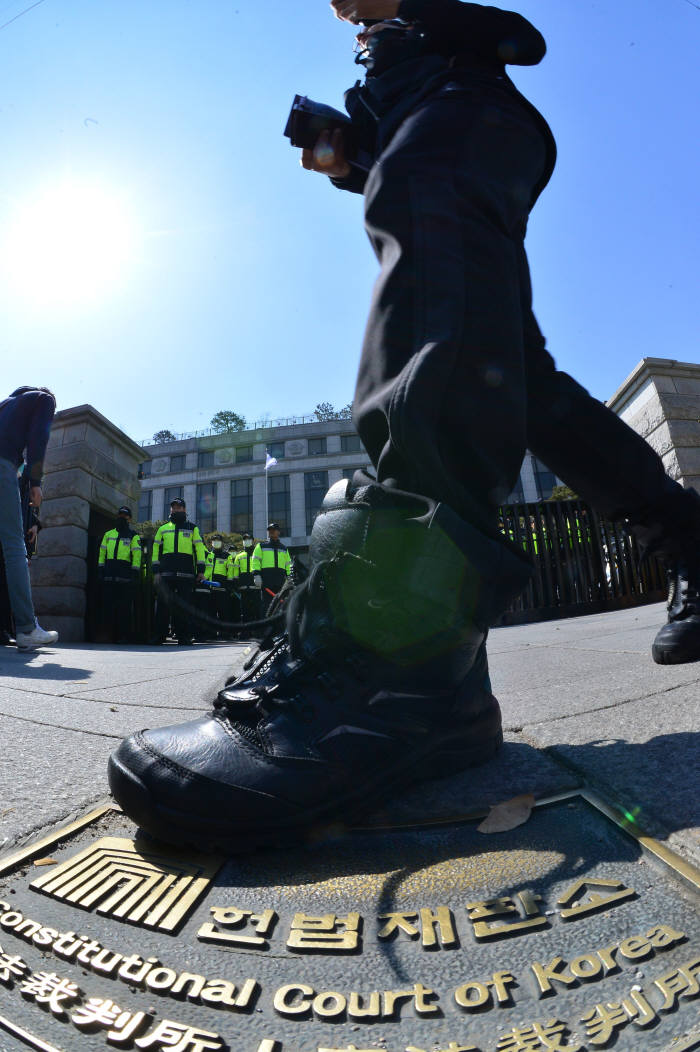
[67, 245]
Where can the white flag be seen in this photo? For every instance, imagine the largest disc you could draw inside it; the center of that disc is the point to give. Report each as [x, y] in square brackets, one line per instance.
[269, 461]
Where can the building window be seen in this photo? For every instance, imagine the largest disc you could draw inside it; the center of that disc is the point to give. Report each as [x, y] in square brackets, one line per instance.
[244, 454]
[206, 507]
[276, 450]
[278, 504]
[177, 463]
[545, 480]
[316, 446]
[242, 506]
[315, 489]
[171, 493]
[145, 509]
[146, 469]
[205, 458]
[350, 444]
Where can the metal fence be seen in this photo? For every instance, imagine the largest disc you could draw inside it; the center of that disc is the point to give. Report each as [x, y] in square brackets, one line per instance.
[582, 563]
[264, 424]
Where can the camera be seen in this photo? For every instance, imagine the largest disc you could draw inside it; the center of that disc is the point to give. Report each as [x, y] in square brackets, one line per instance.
[307, 119]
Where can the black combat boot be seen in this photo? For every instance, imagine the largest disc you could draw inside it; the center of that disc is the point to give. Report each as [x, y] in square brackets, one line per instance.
[679, 639]
[671, 532]
[379, 681]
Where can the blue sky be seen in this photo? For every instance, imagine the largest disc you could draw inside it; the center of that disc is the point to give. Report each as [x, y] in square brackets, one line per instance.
[194, 266]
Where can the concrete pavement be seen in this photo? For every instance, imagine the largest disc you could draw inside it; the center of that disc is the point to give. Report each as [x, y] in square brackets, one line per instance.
[583, 704]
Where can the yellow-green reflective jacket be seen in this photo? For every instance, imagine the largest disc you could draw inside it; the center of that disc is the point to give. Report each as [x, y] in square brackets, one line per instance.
[273, 562]
[243, 568]
[219, 567]
[119, 555]
[178, 550]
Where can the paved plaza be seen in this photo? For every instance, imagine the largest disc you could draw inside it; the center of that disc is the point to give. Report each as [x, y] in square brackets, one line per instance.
[582, 700]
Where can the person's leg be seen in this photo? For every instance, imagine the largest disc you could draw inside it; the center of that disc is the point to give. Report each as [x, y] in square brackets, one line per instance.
[184, 613]
[440, 398]
[161, 617]
[14, 550]
[616, 471]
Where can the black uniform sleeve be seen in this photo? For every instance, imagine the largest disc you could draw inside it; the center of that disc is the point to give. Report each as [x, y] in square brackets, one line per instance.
[38, 435]
[488, 32]
[354, 182]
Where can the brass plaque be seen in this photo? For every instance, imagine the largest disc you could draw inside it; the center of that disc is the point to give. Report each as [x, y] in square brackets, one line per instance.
[567, 933]
[132, 882]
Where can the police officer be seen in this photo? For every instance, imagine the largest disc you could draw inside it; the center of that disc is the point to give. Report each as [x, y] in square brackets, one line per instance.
[179, 556]
[119, 566]
[271, 563]
[219, 572]
[244, 583]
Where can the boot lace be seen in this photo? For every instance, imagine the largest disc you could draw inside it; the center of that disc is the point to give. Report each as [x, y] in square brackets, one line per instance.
[326, 669]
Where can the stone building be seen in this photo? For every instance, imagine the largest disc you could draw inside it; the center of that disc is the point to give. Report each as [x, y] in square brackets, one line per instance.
[660, 399]
[223, 480]
[92, 468]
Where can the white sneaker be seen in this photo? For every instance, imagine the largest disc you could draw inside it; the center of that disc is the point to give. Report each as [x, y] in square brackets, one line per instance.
[36, 638]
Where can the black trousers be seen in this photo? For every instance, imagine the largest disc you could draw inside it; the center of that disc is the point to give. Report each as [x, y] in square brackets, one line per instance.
[118, 609]
[455, 381]
[250, 604]
[175, 605]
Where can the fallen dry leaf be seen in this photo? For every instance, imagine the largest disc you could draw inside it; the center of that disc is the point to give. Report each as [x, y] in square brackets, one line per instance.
[508, 815]
[45, 862]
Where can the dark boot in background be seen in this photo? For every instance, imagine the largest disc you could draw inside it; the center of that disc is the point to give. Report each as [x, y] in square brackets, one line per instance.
[671, 533]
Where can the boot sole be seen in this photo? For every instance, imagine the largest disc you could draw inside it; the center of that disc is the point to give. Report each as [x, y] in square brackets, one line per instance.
[184, 829]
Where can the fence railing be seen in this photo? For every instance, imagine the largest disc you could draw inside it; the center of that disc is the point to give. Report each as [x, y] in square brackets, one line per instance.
[251, 425]
[582, 563]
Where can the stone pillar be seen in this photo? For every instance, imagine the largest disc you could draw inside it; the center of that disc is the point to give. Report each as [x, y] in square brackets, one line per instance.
[189, 495]
[297, 505]
[259, 507]
[660, 400]
[223, 506]
[158, 506]
[90, 469]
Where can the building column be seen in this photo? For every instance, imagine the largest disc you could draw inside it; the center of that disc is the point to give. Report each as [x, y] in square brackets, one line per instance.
[158, 505]
[297, 503]
[223, 506]
[259, 506]
[527, 477]
[189, 492]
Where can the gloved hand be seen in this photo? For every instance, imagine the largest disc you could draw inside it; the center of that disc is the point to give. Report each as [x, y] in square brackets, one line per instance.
[257, 581]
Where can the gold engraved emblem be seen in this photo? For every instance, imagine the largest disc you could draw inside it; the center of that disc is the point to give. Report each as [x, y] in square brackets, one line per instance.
[131, 881]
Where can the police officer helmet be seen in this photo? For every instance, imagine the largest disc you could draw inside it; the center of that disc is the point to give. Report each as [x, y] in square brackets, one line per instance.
[177, 502]
[124, 511]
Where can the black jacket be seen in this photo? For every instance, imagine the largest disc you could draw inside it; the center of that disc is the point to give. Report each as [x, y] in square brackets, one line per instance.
[25, 423]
